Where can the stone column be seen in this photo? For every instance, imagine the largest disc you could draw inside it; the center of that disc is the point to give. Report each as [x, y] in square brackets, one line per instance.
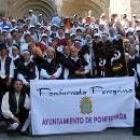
[59, 6]
[120, 7]
[135, 4]
[3, 6]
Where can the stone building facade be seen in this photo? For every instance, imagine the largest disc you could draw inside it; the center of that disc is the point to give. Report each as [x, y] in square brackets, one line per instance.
[18, 8]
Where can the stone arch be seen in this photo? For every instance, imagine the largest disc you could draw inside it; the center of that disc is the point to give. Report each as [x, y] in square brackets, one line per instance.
[82, 7]
[18, 8]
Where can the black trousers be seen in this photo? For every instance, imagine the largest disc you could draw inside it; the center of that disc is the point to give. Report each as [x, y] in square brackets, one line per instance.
[22, 116]
[136, 129]
[3, 87]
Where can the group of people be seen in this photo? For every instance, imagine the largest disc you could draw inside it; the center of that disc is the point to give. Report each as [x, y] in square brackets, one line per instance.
[64, 48]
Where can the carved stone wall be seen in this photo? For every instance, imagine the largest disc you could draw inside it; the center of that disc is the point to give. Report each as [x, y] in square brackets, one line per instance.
[70, 7]
[18, 8]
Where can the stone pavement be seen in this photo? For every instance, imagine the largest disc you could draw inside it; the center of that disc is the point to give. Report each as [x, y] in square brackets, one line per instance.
[110, 134]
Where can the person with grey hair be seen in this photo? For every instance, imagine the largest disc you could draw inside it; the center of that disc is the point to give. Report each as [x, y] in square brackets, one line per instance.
[50, 68]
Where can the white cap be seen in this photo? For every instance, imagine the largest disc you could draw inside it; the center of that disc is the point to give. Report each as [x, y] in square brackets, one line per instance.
[138, 29]
[31, 26]
[44, 35]
[15, 47]
[30, 10]
[38, 24]
[98, 35]
[4, 30]
[134, 15]
[13, 20]
[130, 30]
[72, 34]
[55, 25]
[40, 15]
[79, 29]
[6, 27]
[26, 52]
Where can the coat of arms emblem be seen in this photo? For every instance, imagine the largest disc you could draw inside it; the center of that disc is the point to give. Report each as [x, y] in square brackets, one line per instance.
[86, 105]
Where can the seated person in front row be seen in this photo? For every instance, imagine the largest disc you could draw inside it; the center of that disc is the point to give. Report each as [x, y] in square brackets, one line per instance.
[15, 107]
[50, 68]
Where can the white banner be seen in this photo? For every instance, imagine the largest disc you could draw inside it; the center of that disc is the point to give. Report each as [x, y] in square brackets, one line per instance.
[75, 106]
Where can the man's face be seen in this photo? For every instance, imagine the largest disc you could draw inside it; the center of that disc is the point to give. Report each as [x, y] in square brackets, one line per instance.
[88, 38]
[67, 50]
[26, 57]
[18, 86]
[30, 13]
[61, 31]
[9, 40]
[1, 38]
[131, 39]
[15, 51]
[50, 54]
[104, 38]
[74, 52]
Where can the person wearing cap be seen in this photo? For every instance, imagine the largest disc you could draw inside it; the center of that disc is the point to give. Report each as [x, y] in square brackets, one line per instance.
[103, 20]
[102, 53]
[15, 107]
[81, 24]
[133, 65]
[2, 39]
[25, 28]
[53, 31]
[62, 59]
[80, 36]
[50, 68]
[27, 69]
[5, 33]
[88, 54]
[17, 38]
[45, 40]
[77, 66]
[41, 32]
[40, 19]
[134, 18]
[137, 34]
[13, 23]
[75, 27]
[60, 33]
[34, 34]
[27, 39]
[79, 33]
[16, 58]
[62, 39]
[9, 44]
[6, 70]
[5, 23]
[124, 21]
[56, 20]
[32, 18]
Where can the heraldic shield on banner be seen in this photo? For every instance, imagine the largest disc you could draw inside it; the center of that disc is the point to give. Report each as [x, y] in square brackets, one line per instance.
[86, 105]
